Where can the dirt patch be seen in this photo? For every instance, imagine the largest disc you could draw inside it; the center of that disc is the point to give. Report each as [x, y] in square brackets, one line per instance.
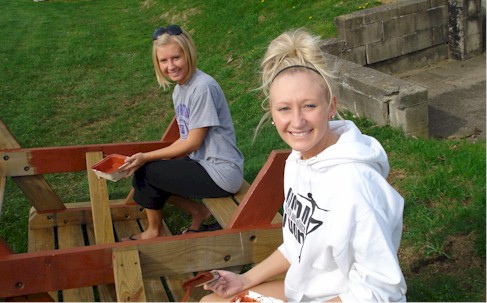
[457, 259]
[456, 255]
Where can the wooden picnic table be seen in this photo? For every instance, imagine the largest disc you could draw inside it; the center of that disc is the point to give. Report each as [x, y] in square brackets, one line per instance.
[72, 251]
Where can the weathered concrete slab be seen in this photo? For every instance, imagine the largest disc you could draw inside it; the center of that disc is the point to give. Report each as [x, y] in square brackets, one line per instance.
[456, 96]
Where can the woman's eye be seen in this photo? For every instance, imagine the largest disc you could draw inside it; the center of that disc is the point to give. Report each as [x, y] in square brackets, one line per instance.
[309, 105]
[283, 109]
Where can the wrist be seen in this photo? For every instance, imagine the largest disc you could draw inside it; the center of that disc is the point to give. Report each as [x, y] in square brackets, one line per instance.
[248, 280]
[149, 156]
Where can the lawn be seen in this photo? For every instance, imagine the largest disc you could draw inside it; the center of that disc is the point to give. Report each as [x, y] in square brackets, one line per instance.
[79, 72]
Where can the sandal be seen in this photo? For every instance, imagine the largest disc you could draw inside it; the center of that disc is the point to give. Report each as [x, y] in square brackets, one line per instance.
[129, 238]
[203, 227]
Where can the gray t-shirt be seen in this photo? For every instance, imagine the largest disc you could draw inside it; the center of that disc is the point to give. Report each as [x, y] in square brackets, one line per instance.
[199, 103]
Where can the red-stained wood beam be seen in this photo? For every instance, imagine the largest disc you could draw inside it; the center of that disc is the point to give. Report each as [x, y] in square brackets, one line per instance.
[172, 131]
[16, 161]
[43, 271]
[41, 297]
[265, 196]
[61, 159]
[5, 249]
[37, 272]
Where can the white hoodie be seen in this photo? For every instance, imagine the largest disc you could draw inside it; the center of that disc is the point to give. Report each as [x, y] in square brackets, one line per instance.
[342, 223]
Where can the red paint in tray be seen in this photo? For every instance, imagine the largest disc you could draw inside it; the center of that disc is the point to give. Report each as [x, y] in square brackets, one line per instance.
[109, 167]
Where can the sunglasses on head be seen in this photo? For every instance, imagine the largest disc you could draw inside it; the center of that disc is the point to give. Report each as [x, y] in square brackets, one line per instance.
[172, 30]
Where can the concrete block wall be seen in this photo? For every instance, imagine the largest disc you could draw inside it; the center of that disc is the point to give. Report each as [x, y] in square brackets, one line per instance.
[374, 43]
[466, 31]
[409, 34]
[389, 31]
[380, 97]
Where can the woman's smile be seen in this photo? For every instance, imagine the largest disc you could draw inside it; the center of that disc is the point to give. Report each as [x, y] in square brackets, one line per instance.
[173, 63]
[300, 110]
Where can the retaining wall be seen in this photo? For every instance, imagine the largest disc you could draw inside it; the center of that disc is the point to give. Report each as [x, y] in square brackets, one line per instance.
[388, 39]
[380, 97]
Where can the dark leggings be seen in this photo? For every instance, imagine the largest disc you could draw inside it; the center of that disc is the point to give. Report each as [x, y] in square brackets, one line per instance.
[156, 181]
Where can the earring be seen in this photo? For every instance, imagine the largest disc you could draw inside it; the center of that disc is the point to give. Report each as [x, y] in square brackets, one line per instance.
[273, 124]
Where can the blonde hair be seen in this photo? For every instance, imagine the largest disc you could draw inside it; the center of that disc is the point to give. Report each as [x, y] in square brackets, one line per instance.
[188, 47]
[292, 51]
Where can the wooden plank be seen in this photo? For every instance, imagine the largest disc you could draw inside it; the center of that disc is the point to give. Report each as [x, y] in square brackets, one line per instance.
[41, 297]
[5, 248]
[172, 131]
[130, 197]
[222, 209]
[39, 193]
[106, 290]
[173, 282]
[154, 289]
[128, 275]
[163, 256]
[61, 159]
[265, 196]
[244, 188]
[81, 214]
[3, 185]
[72, 236]
[200, 251]
[72, 158]
[102, 220]
[35, 188]
[41, 240]
[16, 164]
[7, 140]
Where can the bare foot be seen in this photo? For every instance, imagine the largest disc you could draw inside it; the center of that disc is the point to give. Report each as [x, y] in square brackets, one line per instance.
[148, 234]
[198, 217]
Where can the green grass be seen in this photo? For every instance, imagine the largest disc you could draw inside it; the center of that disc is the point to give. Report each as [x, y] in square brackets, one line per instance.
[79, 72]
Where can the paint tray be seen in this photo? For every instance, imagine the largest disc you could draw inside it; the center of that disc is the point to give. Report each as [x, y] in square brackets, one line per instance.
[109, 167]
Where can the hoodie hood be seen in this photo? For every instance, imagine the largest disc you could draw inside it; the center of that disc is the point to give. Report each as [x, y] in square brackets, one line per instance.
[351, 147]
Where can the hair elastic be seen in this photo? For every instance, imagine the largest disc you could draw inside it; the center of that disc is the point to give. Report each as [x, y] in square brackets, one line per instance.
[294, 66]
